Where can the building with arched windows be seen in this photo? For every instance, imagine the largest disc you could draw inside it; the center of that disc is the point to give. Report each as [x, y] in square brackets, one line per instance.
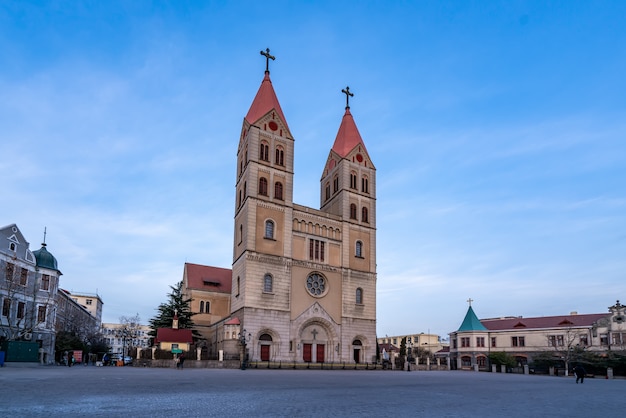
[303, 280]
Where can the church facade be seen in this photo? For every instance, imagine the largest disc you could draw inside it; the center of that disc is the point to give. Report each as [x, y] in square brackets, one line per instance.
[303, 279]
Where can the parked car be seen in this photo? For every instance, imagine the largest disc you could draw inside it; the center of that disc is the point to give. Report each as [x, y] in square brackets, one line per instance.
[116, 357]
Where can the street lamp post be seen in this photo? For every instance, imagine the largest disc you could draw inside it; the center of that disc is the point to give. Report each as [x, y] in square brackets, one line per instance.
[124, 333]
[409, 345]
[243, 341]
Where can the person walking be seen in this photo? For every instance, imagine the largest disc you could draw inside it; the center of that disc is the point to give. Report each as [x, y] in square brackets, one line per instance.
[579, 371]
[181, 360]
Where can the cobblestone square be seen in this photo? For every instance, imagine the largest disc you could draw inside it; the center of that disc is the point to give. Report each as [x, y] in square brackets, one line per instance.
[131, 391]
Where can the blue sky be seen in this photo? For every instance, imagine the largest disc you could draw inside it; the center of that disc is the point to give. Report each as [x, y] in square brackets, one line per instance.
[498, 130]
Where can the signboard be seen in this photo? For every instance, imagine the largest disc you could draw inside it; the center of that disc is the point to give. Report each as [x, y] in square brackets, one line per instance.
[78, 356]
[176, 350]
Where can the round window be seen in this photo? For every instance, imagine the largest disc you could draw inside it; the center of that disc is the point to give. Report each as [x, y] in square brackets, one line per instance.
[316, 284]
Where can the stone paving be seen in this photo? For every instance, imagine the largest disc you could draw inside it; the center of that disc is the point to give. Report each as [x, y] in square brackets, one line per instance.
[56, 391]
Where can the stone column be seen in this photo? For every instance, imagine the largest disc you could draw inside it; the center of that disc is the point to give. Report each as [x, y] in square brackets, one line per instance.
[609, 373]
[494, 368]
[502, 368]
[526, 371]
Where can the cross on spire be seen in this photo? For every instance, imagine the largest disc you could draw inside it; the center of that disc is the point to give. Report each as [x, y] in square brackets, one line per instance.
[44, 236]
[470, 300]
[268, 57]
[346, 91]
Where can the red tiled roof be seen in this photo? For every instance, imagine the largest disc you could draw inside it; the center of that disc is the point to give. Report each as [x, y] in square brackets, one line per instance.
[542, 322]
[234, 321]
[171, 335]
[264, 101]
[388, 347]
[212, 279]
[348, 136]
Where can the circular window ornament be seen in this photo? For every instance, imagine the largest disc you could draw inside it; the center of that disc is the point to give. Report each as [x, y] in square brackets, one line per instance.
[359, 158]
[316, 285]
[273, 125]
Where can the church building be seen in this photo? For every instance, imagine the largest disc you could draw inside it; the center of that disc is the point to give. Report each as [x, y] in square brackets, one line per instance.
[303, 279]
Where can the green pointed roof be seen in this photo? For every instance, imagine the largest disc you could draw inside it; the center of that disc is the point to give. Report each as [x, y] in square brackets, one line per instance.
[45, 258]
[471, 322]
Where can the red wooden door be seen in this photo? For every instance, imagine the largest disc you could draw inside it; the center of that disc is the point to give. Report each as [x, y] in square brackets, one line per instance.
[265, 353]
[320, 353]
[306, 352]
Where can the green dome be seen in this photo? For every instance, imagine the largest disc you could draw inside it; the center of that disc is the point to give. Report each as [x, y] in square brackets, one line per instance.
[45, 259]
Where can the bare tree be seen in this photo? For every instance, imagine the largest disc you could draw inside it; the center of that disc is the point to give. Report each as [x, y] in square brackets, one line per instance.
[564, 342]
[28, 295]
[129, 330]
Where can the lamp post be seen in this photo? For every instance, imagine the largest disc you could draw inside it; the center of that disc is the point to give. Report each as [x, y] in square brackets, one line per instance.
[123, 333]
[409, 345]
[243, 341]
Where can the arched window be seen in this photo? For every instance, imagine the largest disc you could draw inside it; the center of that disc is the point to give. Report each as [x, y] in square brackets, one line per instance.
[364, 185]
[278, 190]
[364, 216]
[238, 286]
[352, 211]
[335, 184]
[327, 191]
[263, 186]
[268, 283]
[359, 249]
[269, 229]
[205, 307]
[264, 151]
[240, 233]
[245, 188]
[353, 180]
[280, 156]
[359, 296]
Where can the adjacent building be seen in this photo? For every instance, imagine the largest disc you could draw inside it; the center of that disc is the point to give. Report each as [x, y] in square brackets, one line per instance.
[524, 338]
[125, 339]
[28, 286]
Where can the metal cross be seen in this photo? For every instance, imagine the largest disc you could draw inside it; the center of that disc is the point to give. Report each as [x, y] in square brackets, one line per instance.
[470, 300]
[268, 57]
[346, 91]
[314, 332]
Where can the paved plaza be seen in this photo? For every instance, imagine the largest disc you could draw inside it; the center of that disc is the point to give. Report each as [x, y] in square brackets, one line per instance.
[150, 392]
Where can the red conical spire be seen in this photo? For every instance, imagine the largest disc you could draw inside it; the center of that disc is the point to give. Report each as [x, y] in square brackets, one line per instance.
[348, 136]
[264, 101]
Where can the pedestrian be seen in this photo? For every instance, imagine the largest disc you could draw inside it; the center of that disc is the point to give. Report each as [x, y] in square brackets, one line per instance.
[579, 371]
[181, 360]
[70, 359]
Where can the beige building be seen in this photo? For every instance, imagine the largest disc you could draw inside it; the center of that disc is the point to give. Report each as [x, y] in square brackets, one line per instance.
[92, 302]
[429, 342]
[126, 339]
[303, 279]
[523, 337]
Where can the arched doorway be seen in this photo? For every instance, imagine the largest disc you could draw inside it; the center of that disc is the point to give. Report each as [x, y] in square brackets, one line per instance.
[315, 342]
[357, 348]
[265, 341]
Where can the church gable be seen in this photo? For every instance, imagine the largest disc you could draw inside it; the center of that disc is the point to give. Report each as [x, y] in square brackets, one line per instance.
[359, 156]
